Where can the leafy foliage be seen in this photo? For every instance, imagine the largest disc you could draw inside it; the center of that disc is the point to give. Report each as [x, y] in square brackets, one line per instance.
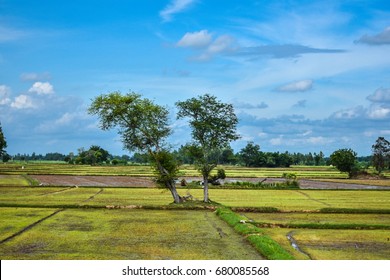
[381, 154]
[143, 127]
[3, 142]
[95, 155]
[213, 126]
[345, 161]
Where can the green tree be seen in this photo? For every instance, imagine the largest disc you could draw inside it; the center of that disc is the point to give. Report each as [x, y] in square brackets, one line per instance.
[213, 126]
[250, 154]
[3, 143]
[381, 154]
[143, 127]
[345, 161]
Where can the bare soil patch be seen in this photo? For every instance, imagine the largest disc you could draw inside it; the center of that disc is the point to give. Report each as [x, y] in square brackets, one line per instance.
[128, 181]
[94, 181]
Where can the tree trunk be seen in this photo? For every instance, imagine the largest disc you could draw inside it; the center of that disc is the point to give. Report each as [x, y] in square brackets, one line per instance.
[169, 184]
[176, 197]
[206, 189]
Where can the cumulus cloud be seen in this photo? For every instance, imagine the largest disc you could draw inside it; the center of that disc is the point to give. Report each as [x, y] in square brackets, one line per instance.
[174, 7]
[380, 95]
[23, 102]
[207, 47]
[42, 88]
[298, 86]
[4, 95]
[382, 38]
[198, 39]
[378, 112]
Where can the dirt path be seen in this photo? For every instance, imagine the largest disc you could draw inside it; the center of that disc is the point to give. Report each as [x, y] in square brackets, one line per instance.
[95, 181]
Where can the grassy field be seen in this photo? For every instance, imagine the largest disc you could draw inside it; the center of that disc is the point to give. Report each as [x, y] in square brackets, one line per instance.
[13, 180]
[284, 200]
[124, 234]
[142, 170]
[71, 222]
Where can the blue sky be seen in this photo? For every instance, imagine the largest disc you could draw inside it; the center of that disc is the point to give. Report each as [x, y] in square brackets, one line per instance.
[304, 76]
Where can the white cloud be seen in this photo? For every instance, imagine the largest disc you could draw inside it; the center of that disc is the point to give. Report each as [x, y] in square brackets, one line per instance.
[203, 41]
[4, 94]
[198, 39]
[23, 102]
[42, 88]
[380, 95]
[299, 86]
[176, 6]
[378, 112]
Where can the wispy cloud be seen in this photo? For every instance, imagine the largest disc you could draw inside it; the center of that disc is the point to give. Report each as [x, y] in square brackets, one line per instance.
[32, 76]
[10, 34]
[298, 86]
[4, 95]
[382, 38]
[174, 7]
[281, 51]
[244, 105]
[300, 104]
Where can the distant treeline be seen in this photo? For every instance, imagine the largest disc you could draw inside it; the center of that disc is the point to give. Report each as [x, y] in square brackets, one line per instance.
[249, 156]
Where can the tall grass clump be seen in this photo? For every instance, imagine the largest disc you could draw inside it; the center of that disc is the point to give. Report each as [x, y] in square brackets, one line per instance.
[264, 244]
[266, 186]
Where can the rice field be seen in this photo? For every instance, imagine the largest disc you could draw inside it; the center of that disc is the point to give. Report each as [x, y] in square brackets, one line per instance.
[111, 222]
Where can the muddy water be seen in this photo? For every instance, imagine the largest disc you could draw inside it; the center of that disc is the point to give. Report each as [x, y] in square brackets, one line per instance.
[294, 243]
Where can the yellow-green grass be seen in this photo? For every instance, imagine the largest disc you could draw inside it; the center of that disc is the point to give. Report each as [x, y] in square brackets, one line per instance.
[334, 244]
[369, 182]
[284, 200]
[42, 196]
[319, 218]
[185, 170]
[14, 220]
[301, 200]
[129, 234]
[352, 199]
[13, 180]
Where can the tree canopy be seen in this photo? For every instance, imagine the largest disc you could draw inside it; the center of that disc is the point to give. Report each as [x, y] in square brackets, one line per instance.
[381, 154]
[213, 126]
[3, 143]
[345, 161]
[143, 127]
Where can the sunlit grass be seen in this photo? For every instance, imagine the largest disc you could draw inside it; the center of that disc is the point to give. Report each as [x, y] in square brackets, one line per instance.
[13, 180]
[15, 219]
[129, 234]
